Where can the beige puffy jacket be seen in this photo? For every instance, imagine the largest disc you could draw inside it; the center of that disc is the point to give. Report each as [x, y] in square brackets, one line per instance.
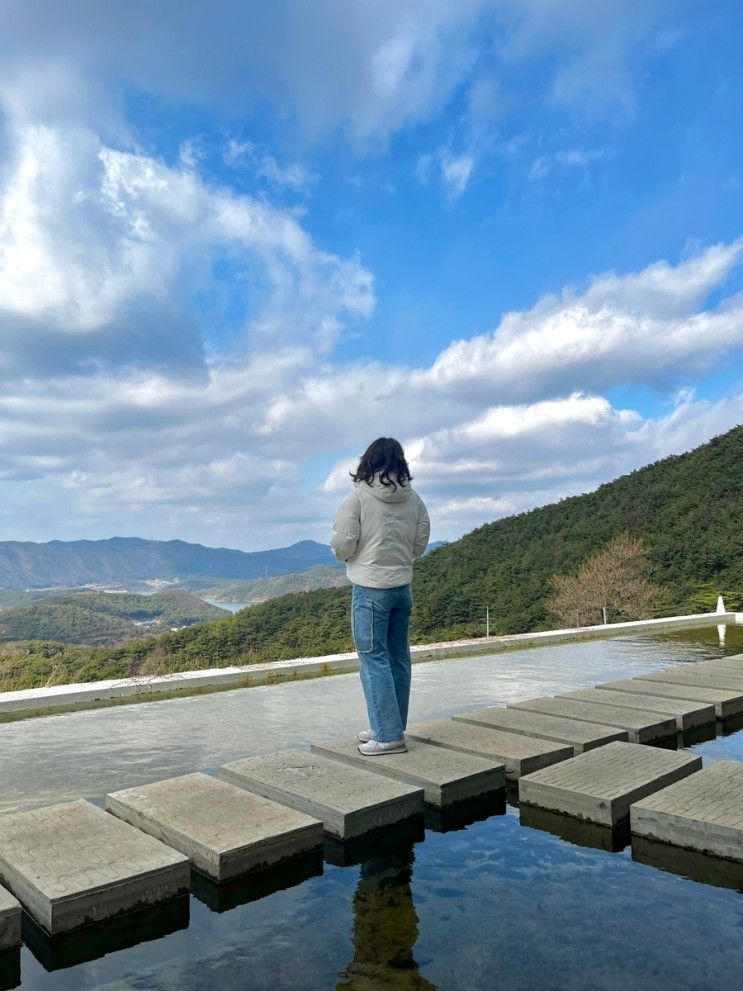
[378, 531]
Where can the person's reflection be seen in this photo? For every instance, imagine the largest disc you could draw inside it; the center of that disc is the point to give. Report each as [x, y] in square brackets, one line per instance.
[385, 927]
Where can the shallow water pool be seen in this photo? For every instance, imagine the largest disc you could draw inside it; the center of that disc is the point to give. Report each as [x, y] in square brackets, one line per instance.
[495, 902]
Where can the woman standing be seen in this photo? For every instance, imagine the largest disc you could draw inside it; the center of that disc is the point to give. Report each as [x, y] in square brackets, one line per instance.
[379, 530]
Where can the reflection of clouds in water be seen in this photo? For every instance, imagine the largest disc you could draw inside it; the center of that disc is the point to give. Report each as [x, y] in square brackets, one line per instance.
[556, 915]
[296, 938]
[88, 753]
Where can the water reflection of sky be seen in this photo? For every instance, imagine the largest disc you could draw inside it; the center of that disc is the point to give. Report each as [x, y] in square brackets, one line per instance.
[494, 903]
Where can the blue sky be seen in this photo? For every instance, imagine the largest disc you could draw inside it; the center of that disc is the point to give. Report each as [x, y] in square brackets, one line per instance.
[238, 241]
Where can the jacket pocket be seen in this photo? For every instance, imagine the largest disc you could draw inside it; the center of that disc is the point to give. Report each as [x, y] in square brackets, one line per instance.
[362, 627]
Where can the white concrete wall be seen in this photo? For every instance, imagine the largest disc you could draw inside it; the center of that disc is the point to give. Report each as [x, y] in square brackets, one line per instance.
[44, 700]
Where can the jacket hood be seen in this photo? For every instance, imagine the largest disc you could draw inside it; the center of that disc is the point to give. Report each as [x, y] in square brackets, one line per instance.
[387, 493]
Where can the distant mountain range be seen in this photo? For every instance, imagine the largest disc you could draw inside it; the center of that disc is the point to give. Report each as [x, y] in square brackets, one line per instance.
[125, 560]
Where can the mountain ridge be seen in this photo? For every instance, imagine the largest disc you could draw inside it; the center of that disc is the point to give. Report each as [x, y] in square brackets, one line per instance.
[60, 563]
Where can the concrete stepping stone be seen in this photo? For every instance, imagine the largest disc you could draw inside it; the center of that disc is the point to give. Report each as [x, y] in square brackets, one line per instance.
[703, 813]
[446, 776]
[689, 864]
[73, 864]
[732, 659]
[734, 663]
[729, 669]
[702, 679]
[581, 736]
[520, 754]
[224, 831]
[350, 801]
[688, 715]
[10, 920]
[576, 831]
[600, 785]
[726, 703]
[642, 726]
[79, 946]
[223, 896]
[463, 814]
[376, 843]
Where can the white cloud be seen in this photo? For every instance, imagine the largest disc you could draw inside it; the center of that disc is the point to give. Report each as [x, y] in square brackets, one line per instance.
[456, 171]
[495, 425]
[249, 155]
[512, 459]
[642, 328]
[100, 242]
[566, 158]
[650, 327]
[595, 48]
[370, 68]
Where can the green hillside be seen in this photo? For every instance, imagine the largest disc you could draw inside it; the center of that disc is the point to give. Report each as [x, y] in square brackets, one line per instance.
[262, 589]
[688, 509]
[101, 618]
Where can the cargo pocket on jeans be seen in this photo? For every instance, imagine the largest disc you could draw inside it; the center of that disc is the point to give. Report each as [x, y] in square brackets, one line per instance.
[362, 627]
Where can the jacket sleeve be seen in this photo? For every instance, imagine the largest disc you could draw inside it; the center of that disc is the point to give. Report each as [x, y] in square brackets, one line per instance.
[346, 528]
[422, 530]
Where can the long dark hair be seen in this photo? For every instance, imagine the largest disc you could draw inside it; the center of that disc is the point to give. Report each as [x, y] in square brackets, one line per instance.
[386, 457]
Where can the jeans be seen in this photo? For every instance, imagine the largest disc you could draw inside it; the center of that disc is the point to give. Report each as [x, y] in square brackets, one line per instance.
[380, 619]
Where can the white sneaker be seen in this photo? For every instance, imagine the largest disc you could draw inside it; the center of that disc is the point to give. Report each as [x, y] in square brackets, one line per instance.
[376, 749]
[364, 736]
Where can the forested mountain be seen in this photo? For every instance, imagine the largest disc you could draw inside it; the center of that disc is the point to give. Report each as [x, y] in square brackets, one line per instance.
[688, 509]
[262, 589]
[101, 618]
[130, 559]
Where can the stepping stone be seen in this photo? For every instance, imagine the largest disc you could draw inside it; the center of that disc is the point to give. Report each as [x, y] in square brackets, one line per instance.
[225, 895]
[690, 864]
[463, 814]
[350, 801]
[374, 844]
[599, 786]
[726, 703]
[702, 679]
[703, 813]
[73, 864]
[10, 920]
[733, 662]
[642, 726]
[70, 949]
[576, 831]
[446, 776]
[223, 830]
[520, 754]
[581, 736]
[688, 715]
[732, 669]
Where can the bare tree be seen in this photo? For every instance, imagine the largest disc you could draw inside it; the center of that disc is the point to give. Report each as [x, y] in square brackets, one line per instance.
[612, 586]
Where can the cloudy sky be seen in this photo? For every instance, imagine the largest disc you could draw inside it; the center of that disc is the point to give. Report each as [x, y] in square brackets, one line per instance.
[240, 240]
